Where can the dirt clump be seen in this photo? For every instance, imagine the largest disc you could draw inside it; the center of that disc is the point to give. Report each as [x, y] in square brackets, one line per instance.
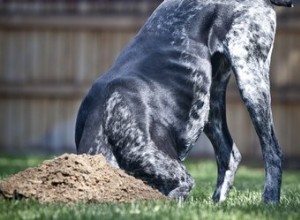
[76, 178]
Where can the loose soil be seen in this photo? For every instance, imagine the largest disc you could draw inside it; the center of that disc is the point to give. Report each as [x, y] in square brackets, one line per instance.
[76, 178]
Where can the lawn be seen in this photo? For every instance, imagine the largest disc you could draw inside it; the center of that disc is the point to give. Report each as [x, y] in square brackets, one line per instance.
[244, 201]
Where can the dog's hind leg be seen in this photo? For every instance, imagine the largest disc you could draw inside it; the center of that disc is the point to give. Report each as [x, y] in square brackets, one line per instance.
[249, 50]
[227, 155]
[138, 155]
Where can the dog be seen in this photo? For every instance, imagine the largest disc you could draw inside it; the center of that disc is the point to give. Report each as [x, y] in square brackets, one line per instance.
[168, 86]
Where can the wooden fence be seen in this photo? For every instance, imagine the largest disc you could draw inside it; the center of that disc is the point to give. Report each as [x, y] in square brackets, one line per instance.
[47, 64]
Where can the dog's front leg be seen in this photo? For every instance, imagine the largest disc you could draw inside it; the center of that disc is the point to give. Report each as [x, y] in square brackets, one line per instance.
[249, 48]
[227, 155]
[256, 95]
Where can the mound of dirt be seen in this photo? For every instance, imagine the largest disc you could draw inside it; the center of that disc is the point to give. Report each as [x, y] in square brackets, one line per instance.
[76, 178]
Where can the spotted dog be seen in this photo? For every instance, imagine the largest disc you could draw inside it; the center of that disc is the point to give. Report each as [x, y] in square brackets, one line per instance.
[168, 86]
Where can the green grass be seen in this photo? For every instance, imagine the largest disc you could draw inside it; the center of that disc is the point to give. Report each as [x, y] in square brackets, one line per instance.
[244, 201]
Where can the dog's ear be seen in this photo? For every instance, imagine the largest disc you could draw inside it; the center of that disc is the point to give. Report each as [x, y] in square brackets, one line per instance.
[286, 3]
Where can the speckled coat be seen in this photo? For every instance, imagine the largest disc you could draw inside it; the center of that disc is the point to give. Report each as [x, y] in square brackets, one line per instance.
[168, 86]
